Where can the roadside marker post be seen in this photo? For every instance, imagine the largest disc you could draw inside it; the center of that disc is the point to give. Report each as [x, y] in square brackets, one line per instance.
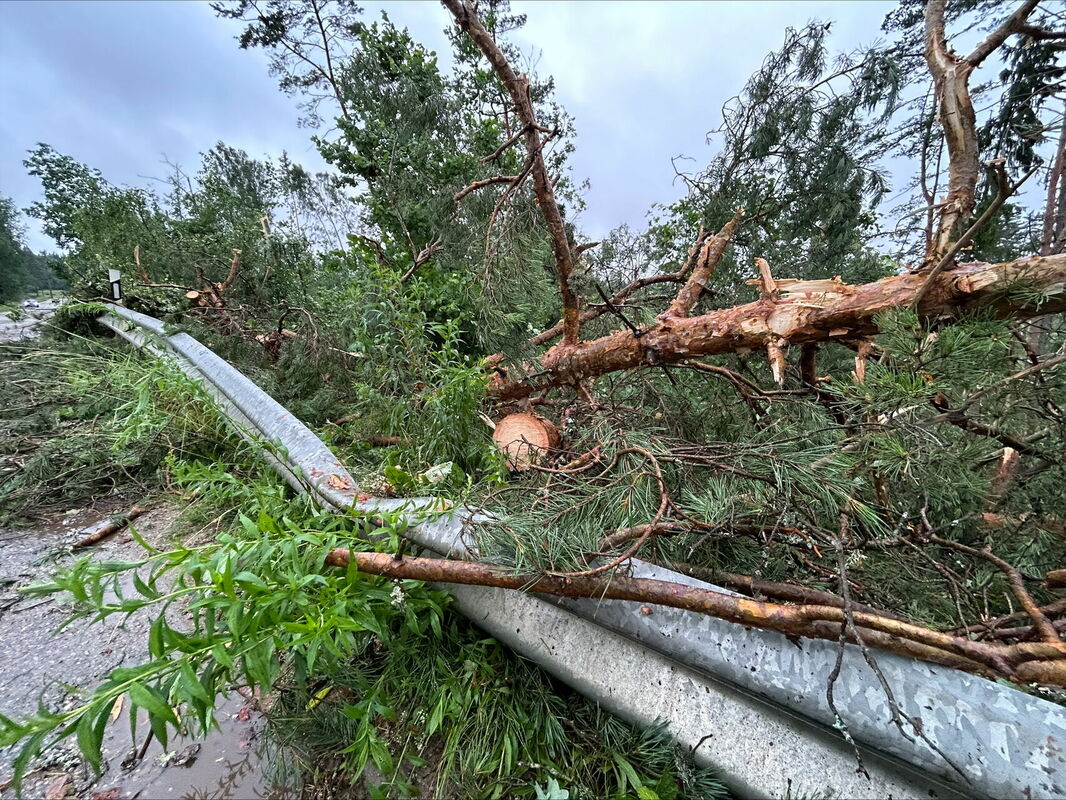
[115, 276]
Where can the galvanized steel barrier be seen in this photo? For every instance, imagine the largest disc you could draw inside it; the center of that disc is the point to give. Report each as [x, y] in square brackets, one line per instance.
[749, 702]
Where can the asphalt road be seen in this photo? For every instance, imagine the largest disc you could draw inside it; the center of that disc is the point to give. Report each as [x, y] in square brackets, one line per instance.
[39, 665]
[26, 327]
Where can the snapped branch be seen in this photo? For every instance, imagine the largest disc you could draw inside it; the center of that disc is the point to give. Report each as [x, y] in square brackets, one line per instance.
[806, 312]
[951, 77]
[710, 254]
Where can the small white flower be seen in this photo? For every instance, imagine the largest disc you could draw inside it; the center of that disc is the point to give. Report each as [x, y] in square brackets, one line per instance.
[397, 596]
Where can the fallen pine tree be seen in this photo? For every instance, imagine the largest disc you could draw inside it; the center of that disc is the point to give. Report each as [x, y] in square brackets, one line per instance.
[865, 441]
[789, 316]
[798, 313]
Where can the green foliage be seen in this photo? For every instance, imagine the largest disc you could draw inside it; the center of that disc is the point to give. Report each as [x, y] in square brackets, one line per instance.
[366, 303]
[315, 618]
[500, 725]
[292, 34]
[369, 663]
[21, 270]
[408, 137]
[1020, 106]
[801, 151]
[79, 421]
[188, 236]
[12, 275]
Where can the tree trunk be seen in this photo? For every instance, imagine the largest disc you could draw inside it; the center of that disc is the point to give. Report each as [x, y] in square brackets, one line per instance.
[806, 312]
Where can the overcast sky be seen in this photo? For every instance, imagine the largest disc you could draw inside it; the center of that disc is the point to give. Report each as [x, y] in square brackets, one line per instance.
[121, 85]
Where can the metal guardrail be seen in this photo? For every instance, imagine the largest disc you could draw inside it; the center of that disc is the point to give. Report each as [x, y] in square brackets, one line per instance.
[750, 702]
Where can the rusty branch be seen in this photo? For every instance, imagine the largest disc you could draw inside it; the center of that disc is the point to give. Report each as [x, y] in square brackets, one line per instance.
[808, 312]
[1026, 661]
[710, 254]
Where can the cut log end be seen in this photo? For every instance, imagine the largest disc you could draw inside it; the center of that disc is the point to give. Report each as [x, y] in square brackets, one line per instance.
[1056, 579]
[524, 439]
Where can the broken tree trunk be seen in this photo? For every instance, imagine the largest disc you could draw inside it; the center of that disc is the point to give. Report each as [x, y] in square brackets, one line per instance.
[806, 312]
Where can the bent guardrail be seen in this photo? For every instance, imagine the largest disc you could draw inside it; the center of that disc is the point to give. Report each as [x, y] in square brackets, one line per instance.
[725, 690]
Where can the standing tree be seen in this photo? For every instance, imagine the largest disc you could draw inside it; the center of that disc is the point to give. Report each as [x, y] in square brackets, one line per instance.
[13, 277]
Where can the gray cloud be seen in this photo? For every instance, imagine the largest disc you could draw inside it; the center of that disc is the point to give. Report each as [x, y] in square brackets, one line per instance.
[119, 85]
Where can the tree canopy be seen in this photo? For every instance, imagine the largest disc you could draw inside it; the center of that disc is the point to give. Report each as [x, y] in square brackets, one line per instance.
[22, 270]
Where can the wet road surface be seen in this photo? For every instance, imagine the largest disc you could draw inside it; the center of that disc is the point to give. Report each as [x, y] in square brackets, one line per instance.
[37, 665]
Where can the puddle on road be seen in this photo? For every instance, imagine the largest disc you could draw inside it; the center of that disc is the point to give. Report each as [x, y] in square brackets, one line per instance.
[234, 761]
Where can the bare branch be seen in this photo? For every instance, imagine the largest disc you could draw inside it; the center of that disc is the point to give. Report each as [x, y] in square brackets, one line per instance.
[1025, 661]
[518, 87]
[1015, 23]
[142, 273]
[951, 76]
[1014, 579]
[640, 283]
[1054, 212]
[234, 270]
[710, 254]
[423, 255]
[499, 151]
[482, 183]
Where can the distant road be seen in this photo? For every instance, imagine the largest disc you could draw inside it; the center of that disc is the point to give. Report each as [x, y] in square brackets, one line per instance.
[25, 328]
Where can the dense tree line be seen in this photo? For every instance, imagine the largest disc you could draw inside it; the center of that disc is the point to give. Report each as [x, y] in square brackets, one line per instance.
[21, 270]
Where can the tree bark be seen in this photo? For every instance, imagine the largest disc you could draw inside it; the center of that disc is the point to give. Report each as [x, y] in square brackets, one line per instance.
[710, 254]
[1054, 209]
[951, 76]
[518, 87]
[1027, 661]
[807, 312]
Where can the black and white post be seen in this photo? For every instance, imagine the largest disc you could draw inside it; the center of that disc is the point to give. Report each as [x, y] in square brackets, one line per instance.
[115, 276]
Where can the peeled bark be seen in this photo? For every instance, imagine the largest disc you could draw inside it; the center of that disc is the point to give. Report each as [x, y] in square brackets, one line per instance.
[709, 256]
[951, 75]
[105, 528]
[806, 312]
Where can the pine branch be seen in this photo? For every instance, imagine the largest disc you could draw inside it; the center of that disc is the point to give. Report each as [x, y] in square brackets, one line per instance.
[518, 87]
